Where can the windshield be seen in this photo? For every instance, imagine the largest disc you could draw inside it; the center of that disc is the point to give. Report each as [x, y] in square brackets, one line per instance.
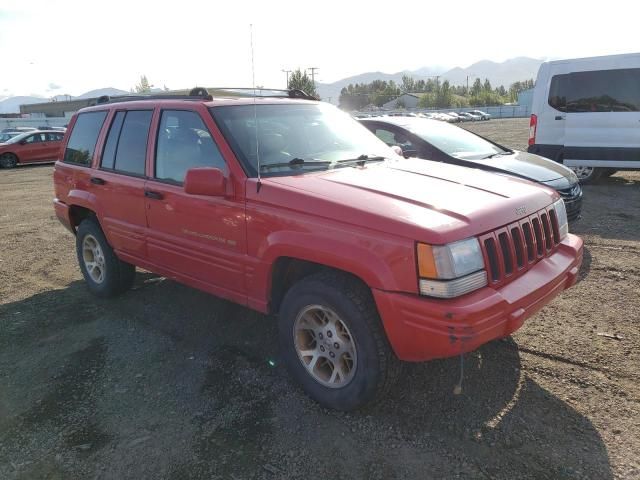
[16, 136]
[296, 138]
[4, 137]
[454, 141]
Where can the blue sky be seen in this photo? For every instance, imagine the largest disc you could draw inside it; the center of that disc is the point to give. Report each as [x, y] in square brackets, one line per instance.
[68, 47]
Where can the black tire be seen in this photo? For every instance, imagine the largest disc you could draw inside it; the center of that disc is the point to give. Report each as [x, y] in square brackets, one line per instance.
[118, 276]
[588, 175]
[376, 369]
[8, 160]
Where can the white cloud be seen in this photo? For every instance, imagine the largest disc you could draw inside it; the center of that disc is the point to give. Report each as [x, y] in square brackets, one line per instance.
[110, 44]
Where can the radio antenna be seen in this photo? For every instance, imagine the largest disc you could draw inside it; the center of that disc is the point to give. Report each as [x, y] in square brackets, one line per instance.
[255, 108]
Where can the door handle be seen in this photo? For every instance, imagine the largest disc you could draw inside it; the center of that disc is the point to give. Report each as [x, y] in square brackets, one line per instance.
[97, 181]
[559, 117]
[152, 194]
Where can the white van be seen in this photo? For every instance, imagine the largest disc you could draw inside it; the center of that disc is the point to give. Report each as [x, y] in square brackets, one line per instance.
[586, 114]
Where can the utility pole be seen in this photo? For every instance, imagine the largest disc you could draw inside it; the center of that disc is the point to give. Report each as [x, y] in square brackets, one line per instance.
[468, 82]
[313, 74]
[287, 72]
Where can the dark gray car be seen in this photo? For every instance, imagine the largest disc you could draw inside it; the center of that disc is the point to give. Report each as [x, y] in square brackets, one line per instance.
[433, 140]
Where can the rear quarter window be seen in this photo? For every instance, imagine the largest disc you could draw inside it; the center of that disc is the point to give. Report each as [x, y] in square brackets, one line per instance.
[84, 137]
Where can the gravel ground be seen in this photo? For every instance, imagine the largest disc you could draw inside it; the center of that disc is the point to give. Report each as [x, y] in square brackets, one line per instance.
[168, 382]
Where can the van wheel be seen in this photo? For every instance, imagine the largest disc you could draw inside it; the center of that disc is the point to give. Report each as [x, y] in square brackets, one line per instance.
[333, 343]
[588, 174]
[105, 274]
[8, 160]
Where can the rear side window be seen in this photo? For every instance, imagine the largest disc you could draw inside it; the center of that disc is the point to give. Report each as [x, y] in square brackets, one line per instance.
[126, 146]
[83, 138]
[604, 91]
[558, 92]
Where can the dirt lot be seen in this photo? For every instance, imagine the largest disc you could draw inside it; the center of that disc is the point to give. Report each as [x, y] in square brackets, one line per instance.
[168, 382]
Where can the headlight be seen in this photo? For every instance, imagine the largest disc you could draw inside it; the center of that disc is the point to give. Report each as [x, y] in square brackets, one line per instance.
[450, 270]
[561, 215]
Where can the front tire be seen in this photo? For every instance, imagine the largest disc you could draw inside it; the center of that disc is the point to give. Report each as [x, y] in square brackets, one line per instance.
[588, 174]
[333, 342]
[8, 160]
[105, 274]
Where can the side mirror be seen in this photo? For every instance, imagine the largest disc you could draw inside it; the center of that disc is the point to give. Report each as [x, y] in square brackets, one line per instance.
[398, 150]
[205, 181]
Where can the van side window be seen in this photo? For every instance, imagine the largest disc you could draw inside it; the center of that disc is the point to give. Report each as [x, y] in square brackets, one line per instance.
[184, 142]
[84, 137]
[558, 92]
[604, 91]
[126, 147]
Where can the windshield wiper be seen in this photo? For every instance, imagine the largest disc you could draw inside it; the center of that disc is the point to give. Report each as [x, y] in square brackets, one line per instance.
[362, 159]
[296, 162]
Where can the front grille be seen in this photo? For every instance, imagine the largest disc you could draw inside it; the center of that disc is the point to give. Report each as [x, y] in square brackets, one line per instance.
[513, 249]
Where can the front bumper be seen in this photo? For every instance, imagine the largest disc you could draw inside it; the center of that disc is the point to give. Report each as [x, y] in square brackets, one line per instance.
[422, 328]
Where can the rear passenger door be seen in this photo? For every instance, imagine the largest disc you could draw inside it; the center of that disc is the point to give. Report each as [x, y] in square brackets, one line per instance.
[34, 148]
[119, 181]
[53, 142]
[200, 238]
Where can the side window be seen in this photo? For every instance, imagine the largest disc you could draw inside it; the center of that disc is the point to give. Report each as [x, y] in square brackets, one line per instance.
[184, 142]
[604, 91]
[558, 92]
[35, 138]
[53, 137]
[109, 154]
[83, 138]
[386, 136]
[131, 147]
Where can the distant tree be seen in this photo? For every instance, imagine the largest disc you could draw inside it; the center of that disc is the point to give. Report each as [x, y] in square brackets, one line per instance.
[487, 85]
[144, 86]
[408, 84]
[302, 81]
[477, 87]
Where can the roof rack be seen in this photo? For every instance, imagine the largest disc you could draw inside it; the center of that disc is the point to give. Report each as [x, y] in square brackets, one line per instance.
[200, 94]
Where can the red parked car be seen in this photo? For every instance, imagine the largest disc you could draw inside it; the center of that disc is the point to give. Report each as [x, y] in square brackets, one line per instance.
[290, 207]
[31, 147]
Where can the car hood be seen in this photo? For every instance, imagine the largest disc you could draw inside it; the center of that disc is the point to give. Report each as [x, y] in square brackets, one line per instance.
[525, 165]
[422, 200]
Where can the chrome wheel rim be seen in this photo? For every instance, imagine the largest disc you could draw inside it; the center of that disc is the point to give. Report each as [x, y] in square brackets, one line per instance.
[93, 259]
[582, 172]
[325, 346]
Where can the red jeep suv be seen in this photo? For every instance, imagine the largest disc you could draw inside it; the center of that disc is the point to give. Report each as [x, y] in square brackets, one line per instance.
[290, 207]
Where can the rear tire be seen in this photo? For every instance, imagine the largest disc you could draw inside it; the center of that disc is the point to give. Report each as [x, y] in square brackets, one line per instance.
[105, 274]
[8, 160]
[588, 175]
[333, 342]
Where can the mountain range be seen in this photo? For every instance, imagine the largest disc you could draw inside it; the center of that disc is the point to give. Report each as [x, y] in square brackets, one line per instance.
[12, 104]
[502, 73]
[499, 73]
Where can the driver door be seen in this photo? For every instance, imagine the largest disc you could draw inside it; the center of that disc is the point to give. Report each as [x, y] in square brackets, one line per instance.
[201, 239]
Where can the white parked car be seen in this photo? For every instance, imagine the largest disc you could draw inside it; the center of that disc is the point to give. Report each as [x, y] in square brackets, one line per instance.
[481, 114]
[586, 114]
[469, 117]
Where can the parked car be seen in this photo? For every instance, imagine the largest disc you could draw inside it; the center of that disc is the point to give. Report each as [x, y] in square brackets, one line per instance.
[481, 114]
[290, 207]
[455, 116]
[445, 117]
[18, 129]
[470, 116]
[450, 144]
[31, 147]
[586, 114]
[58, 129]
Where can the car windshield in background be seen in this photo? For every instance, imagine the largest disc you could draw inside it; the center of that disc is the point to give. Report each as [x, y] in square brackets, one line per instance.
[296, 138]
[454, 141]
[5, 137]
[17, 136]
